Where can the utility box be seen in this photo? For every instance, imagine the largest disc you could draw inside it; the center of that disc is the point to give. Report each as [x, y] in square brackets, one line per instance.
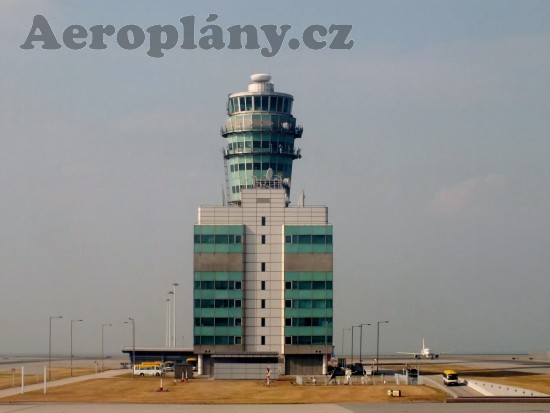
[183, 371]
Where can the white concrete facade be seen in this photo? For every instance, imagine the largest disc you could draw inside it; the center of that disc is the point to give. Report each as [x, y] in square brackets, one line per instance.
[264, 214]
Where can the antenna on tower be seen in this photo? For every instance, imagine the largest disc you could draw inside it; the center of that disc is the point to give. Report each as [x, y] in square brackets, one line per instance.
[302, 198]
[223, 197]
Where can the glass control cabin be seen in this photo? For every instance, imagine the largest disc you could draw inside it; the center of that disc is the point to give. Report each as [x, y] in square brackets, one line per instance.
[260, 132]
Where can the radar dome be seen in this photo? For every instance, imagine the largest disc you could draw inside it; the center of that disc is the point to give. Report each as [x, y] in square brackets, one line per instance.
[260, 78]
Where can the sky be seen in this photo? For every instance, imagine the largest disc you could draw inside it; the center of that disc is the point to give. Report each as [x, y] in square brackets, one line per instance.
[428, 139]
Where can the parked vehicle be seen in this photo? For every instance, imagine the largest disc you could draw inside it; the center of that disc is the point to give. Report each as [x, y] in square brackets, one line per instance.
[357, 369]
[149, 369]
[334, 371]
[193, 362]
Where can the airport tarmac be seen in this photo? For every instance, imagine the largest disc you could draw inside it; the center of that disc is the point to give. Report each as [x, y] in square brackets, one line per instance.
[513, 363]
[294, 408]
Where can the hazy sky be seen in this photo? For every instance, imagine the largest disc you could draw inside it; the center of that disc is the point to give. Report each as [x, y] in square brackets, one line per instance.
[429, 141]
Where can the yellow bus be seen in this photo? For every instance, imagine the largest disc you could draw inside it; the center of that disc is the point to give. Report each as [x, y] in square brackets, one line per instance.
[193, 362]
[149, 368]
[450, 377]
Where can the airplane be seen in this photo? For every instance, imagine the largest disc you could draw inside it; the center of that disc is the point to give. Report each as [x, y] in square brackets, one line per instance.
[424, 353]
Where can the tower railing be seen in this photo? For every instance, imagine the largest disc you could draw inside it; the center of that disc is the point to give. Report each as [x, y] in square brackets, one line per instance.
[278, 150]
[274, 183]
[284, 127]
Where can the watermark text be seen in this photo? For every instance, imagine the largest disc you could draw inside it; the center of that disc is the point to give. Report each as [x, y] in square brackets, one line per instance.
[269, 39]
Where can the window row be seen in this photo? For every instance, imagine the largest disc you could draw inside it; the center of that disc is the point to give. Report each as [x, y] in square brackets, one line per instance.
[217, 239]
[217, 322]
[308, 303]
[237, 188]
[308, 285]
[308, 322]
[308, 239]
[260, 103]
[217, 303]
[218, 285]
[220, 340]
[278, 168]
[308, 340]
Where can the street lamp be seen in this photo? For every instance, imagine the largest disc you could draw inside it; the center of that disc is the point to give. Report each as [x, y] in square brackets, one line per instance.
[50, 347]
[133, 339]
[325, 357]
[167, 322]
[102, 336]
[170, 321]
[344, 329]
[174, 314]
[72, 321]
[352, 327]
[378, 341]
[361, 340]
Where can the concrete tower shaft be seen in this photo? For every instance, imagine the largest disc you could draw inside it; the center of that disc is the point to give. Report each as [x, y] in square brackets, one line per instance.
[260, 132]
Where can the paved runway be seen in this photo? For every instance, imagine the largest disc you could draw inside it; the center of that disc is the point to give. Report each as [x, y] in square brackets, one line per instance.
[307, 408]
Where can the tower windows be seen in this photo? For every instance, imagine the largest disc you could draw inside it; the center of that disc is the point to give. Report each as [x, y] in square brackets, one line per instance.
[263, 239]
[265, 103]
[263, 266]
[260, 103]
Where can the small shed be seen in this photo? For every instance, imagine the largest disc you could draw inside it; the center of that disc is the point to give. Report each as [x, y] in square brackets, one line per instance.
[182, 371]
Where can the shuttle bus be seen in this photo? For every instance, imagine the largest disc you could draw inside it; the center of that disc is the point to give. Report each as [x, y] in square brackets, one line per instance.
[193, 362]
[155, 368]
[450, 377]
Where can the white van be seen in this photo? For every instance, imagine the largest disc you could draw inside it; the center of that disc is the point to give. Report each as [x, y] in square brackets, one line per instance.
[148, 370]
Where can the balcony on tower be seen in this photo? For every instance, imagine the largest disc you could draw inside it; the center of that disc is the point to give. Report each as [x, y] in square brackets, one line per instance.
[260, 132]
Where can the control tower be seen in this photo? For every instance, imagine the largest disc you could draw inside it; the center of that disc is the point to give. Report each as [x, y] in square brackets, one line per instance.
[260, 133]
[262, 269]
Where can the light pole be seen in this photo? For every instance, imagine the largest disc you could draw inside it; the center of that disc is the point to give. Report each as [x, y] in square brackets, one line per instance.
[352, 327]
[344, 329]
[361, 340]
[72, 321]
[174, 315]
[167, 322]
[133, 339]
[170, 321]
[50, 348]
[102, 337]
[378, 341]
[325, 362]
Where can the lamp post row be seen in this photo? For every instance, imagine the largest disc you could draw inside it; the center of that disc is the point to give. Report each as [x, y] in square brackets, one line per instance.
[71, 352]
[360, 326]
[171, 336]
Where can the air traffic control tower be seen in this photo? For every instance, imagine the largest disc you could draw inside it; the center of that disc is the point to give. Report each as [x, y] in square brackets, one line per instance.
[261, 134]
[263, 268]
